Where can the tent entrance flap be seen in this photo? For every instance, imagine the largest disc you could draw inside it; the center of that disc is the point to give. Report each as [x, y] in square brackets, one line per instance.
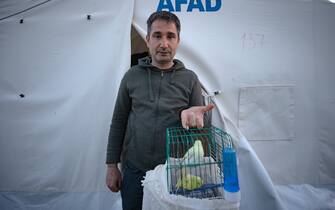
[138, 46]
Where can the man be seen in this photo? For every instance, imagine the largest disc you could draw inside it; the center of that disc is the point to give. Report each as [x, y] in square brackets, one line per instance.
[156, 94]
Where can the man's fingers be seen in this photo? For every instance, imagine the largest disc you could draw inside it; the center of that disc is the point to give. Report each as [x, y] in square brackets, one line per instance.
[193, 117]
[208, 107]
[111, 186]
[192, 121]
[200, 122]
[184, 120]
[188, 119]
[115, 187]
[113, 179]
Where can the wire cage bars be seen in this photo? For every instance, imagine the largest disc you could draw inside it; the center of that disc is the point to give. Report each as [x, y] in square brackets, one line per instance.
[194, 161]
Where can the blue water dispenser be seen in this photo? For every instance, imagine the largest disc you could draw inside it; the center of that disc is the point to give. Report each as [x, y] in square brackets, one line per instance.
[230, 184]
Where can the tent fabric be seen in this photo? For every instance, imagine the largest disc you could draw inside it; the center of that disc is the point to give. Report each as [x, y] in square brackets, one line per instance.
[59, 76]
[59, 200]
[11, 8]
[306, 196]
[275, 121]
[60, 70]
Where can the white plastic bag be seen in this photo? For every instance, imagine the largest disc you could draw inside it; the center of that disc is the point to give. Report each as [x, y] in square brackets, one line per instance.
[156, 195]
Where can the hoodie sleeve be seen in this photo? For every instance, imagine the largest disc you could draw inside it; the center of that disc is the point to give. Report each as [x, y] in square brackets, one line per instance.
[196, 98]
[119, 123]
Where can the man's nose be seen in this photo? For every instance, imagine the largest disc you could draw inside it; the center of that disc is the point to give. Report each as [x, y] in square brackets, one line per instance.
[164, 43]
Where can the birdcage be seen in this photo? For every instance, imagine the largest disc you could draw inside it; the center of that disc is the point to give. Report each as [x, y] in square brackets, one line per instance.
[195, 161]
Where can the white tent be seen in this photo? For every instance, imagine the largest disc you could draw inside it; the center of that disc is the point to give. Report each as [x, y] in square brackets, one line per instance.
[61, 63]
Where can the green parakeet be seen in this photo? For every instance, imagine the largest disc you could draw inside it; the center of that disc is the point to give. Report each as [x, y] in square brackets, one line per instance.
[189, 182]
[193, 156]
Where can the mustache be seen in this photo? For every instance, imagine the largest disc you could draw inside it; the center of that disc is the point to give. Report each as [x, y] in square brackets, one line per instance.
[163, 51]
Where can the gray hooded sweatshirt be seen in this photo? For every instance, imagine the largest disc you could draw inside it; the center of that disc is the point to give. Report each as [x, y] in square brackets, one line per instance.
[149, 101]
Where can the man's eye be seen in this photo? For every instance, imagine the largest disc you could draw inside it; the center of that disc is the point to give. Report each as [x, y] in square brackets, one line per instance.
[157, 36]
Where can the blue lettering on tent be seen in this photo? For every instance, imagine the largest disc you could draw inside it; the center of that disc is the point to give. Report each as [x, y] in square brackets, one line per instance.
[192, 4]
[178, 4]
[165, 4]
[210, 8]
[195, 4]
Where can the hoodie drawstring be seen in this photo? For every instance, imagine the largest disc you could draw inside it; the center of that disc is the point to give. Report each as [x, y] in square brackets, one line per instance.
[151, 95]
[172, 76]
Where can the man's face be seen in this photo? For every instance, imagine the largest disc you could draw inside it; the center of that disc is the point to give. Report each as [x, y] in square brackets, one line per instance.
[162, 42]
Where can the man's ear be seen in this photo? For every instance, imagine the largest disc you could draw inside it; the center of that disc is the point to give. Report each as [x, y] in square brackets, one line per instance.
[147, 40]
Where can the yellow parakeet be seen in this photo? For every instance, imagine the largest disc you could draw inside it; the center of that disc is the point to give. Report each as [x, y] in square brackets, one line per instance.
[194, 154]
[189, 182]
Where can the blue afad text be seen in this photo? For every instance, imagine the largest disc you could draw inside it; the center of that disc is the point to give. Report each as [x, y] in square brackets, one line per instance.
[200, 5]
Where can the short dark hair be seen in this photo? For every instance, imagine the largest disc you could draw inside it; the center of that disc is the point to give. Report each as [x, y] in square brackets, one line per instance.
[163, 15]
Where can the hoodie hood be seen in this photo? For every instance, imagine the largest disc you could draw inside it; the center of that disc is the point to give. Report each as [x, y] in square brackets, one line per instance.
[146, 64]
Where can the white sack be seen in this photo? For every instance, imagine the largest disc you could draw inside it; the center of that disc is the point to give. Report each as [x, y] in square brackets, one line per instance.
[157, 196]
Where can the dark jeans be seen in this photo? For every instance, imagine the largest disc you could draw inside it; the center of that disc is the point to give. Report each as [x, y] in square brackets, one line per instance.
[132, 189]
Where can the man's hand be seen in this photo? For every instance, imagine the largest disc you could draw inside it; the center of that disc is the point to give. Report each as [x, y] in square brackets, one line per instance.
[113, 178]
[194, 116]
